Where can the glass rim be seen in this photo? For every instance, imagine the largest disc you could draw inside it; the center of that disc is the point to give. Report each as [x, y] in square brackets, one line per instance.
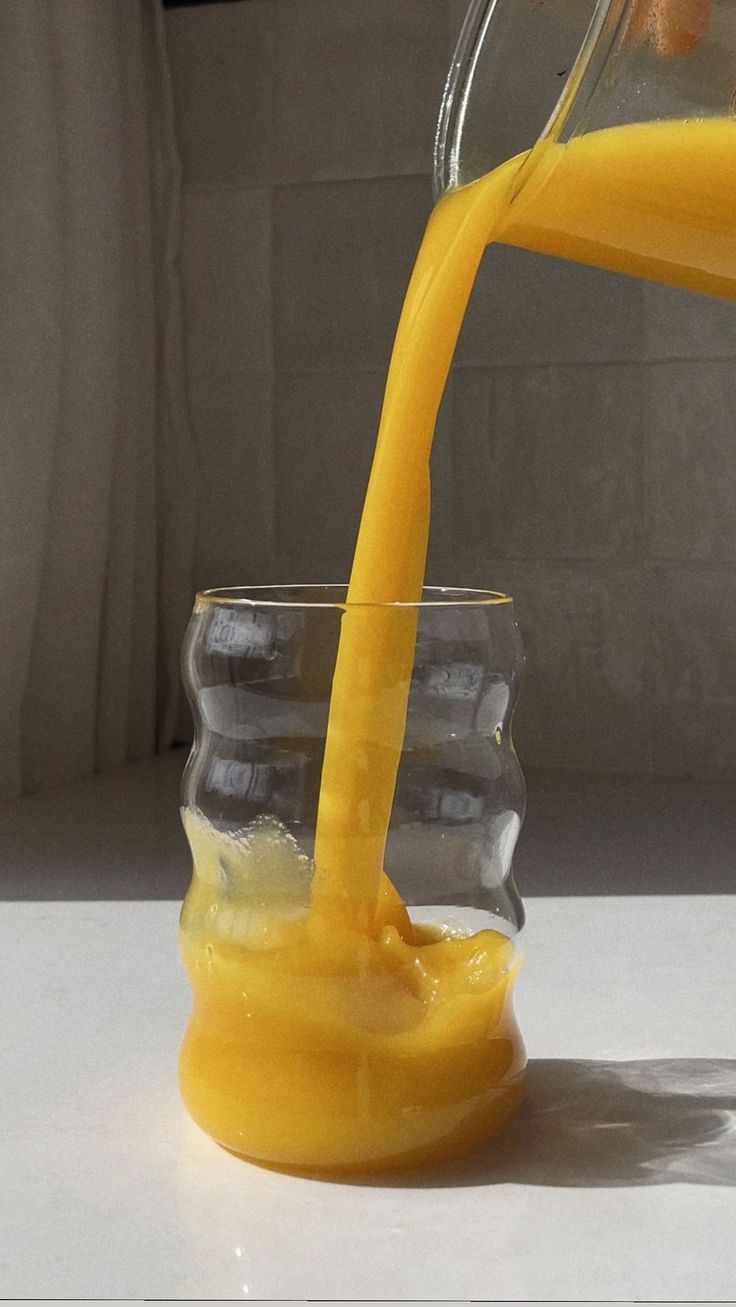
[257, 596]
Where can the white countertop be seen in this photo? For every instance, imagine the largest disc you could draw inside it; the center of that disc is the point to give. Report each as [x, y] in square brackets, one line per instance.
[617, 1181]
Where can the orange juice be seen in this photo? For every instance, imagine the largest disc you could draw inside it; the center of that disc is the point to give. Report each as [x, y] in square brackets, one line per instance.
[341, 1035]
[653, 199]
[321, 1046]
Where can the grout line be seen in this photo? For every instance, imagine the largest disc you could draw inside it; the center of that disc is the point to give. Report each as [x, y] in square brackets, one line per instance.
[638, 361]
[331, 369]
[199, 370]
[424, 176]
[265, 182]
[340, 369]
[336, 371]
[226, 188]
[226, 374]
[274, 491]
[273, 63]
[611, 564]
[272, 306]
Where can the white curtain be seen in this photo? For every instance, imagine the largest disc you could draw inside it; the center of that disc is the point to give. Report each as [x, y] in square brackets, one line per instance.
[97, 469]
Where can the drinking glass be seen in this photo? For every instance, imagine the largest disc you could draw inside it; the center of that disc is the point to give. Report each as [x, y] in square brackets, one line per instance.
[312, 1045]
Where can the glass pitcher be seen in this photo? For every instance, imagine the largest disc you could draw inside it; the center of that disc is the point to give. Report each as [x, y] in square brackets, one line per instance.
[620, 117]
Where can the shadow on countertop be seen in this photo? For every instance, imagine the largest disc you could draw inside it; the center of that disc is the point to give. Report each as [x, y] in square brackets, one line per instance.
[599, 1124]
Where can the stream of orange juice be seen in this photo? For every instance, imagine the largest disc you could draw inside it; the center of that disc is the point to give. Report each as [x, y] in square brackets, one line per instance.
[652, 199]
[335, 1033]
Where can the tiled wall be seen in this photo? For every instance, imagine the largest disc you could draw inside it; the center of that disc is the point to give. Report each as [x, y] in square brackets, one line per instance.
[585, 457]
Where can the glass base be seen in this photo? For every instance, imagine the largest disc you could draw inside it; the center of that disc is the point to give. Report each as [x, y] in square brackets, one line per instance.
[366, 1118]
[473, 1134]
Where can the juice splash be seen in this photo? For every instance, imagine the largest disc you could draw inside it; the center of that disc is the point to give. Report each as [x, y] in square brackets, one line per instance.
[328, 1031]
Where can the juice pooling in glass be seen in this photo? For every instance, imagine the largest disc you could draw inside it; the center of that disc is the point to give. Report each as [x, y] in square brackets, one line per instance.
[316, 1042]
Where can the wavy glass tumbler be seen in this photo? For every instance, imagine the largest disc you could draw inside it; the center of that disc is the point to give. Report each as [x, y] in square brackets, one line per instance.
[313, 1045]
